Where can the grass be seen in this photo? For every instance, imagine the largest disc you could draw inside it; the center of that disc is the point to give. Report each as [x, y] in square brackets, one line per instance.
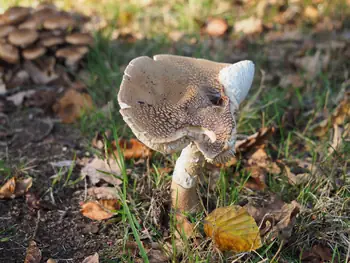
[325, 196]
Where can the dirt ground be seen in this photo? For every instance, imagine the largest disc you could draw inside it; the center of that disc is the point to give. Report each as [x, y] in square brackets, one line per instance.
[62, 232]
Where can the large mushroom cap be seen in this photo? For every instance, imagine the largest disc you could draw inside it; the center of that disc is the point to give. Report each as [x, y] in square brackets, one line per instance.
[171, 100]
[23, 37]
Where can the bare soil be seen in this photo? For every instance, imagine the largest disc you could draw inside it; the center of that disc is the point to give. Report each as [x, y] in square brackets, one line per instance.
[62, 232]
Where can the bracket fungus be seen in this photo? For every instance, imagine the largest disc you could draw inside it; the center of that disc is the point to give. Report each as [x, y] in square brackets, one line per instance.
[174, 103]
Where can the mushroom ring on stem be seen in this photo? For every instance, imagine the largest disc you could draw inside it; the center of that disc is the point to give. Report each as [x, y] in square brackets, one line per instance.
[174, 103]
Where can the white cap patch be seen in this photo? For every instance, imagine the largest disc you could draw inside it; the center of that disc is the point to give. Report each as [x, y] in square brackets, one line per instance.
[237, 80]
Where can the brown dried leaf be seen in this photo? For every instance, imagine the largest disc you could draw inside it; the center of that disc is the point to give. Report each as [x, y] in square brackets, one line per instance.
[256, 140]
[184, 226]
[33, 254]
[22, 186]
[134, 149]
[319, 253]
[95, 211]
[340, 114]
[96, 171]
[70, 107]
[103, 192]
[15, 188]
[249, 26]
[293, 80]
[157, 256]
[110, 204]
[216, 27]
[311, 13]
[8, 189]
[92, 259]
[279, 215]
[51, 260]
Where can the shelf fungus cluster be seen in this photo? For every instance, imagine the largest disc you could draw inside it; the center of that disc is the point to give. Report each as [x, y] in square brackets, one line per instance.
[175, 103]
[40, 38]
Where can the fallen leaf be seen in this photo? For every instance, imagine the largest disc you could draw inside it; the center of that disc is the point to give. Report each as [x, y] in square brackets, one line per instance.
[51, 260]
[105, 170]
[110, 204]
[15, 187]
[281, 216]
[23, 185]
[291, 80]
[95, 211]
[8, 189]
[313, 65]
[254, 141]
[134, 149]
[232, 228]
[339, 115]
[73, 103]
[184, 226]
[311, 13]
[249, 26]
[92, 259]
[103, 192]
[216, 27]
[157, 256]
[319, 253]
[19, 97]
[33, 254]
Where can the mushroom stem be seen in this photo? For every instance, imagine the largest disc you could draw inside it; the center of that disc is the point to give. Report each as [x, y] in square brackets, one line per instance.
[183, 188]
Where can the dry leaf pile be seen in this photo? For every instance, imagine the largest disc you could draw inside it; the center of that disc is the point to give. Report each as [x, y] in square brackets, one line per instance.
[106, 173]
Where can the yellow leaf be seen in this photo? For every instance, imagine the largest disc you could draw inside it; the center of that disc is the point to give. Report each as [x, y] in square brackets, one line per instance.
[232, 228]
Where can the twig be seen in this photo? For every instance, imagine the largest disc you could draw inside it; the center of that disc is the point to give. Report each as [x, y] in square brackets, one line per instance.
[36, 225]
[278, 251]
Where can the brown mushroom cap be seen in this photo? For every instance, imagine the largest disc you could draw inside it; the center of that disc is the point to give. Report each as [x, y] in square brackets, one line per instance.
[9, 53]
[41, 14]
[16, 14]
[23, 37]
[59, 21]
[30, 23]
[172, 100]
[80, 39]
[33, 52]
[51, 41]
[72, 54]
[5, 30]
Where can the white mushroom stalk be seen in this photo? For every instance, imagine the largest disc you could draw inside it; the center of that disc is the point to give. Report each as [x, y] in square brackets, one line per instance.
[174, 103]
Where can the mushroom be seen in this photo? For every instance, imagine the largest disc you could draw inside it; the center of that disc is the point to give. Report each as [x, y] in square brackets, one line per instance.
[23, 37]
[80, 39]
[9, 53]
[5, 30]
[174, 103]
[59, 21]
[33, 52]
[51, 41]
[16, 14]
[72, 55]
